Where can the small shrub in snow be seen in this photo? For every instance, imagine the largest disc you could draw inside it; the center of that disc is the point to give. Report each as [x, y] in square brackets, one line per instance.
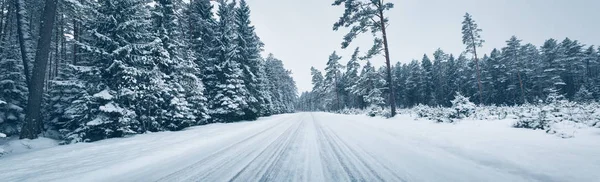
[374, 111]
[422, 111]
[352, 111]
[462, 107]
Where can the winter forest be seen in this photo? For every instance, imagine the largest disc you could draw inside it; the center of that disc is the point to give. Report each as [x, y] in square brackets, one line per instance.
[86, 70]
[284, 90]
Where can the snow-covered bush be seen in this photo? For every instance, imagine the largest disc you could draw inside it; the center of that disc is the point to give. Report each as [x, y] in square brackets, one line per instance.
[462, 107]
[374, 111]
[422, 111]
[352, 111]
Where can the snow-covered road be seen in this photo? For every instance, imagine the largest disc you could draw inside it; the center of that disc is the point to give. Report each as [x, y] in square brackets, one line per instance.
[319, 147]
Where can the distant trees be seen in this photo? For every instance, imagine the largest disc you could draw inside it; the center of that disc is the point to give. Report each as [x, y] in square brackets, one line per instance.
[132, 66]
[512, 75]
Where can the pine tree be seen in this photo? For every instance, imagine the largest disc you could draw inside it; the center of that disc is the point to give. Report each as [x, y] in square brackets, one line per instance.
[123, 78]
[333, 73]
[440, 78]
[413, 89]
[370, 85]
[583, 95]
[249, 47]
[177, 112]
[530, 61]
[351, 77]
[202, 33]
[362, 16]
[426, 84]
[571, 59]
[224, 77]
[282, 86]
[552, 67]
[13, 89]
[472, 38]
[512, 57]
[318, 88]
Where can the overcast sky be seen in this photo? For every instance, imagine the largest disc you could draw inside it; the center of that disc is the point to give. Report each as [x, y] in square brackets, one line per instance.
[300, 32]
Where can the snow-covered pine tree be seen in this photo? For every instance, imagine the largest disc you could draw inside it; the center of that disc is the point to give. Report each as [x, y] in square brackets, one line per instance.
[452, 81]
[413, 88]
[439, 77]
[184, 102]
[351, 77]
[318, 89]
[513, 58]
[572, 59]
[249, 48]
[13, 88]
[583, 95]
[369, 86]
[123, 79]
[472, 39]
[369, 16]
[462, 107]
[225, 86]
[201, 33]
[426, 84]
[333, 73]
[530, 59]
[400, 76]
[282, 85]
[552, 67]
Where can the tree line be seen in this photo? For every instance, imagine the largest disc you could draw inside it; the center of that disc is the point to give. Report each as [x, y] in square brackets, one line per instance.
[111, 68]
[516, 74]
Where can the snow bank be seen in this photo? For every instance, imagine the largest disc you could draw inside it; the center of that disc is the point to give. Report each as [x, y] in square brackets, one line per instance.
[10, 146]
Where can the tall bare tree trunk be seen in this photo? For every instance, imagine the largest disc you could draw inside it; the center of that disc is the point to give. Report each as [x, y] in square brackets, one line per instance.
[75, 41]
[33, 124]
[19, 8]
[478, 72]
[2, 17]
[521, 84]
[392, 98]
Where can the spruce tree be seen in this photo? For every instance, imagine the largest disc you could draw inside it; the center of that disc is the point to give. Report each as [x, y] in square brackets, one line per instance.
[13, 88]
[351, 77]
[333, 73]
[224, 76]
[426, 84]
[249, 48]
[184, 103]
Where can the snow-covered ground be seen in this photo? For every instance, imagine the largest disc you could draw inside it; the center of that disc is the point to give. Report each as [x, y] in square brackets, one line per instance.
[321, 147]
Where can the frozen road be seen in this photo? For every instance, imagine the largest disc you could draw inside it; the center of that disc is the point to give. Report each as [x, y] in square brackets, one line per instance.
[307, 147]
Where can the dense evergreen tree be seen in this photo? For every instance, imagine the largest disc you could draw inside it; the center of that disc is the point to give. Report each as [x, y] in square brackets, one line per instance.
[226, 89]
[282, 86]
[249, 47]
[331, 83]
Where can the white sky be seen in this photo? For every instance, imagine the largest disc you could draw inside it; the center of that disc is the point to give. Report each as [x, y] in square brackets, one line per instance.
[300, 32]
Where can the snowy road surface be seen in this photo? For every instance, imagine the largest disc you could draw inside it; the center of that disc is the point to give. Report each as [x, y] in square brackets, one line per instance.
[320, 147]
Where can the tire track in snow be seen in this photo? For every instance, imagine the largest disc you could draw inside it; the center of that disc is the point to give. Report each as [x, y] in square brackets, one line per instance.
[238, 149]
[355, 167]
[267, 162]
